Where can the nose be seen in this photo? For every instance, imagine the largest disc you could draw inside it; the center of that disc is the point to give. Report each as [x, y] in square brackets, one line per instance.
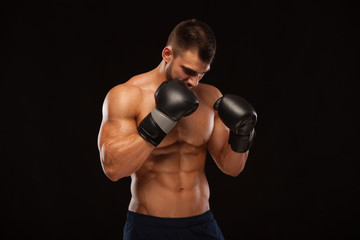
[194, 81]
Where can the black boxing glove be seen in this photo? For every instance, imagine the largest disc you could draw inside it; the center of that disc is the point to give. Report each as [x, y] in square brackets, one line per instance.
[173, 101]
[240, 117]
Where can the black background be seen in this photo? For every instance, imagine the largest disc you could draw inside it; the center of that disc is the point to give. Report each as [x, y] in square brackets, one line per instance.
[296, 62]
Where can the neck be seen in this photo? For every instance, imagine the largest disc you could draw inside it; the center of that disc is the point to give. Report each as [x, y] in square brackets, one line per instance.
[160, 73]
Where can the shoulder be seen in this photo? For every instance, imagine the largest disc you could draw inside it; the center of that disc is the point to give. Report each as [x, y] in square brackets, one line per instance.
[121, 99]
[208, 93]
[132, 89]
[123, 93]
[209, 88]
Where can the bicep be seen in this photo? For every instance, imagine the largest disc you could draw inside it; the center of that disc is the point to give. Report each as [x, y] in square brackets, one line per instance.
[118, 117]
[112, 130]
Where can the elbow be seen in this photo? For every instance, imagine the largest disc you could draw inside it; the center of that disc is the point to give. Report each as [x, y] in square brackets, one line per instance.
[235, 173]
[109, 169]
[112, 172]
[111, 175]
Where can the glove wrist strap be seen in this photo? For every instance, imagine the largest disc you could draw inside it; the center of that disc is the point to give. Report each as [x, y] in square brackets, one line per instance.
[164, 122]
[241, 143]
[155, 126]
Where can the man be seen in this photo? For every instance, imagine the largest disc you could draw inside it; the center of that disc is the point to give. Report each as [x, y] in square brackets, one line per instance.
[157, 127]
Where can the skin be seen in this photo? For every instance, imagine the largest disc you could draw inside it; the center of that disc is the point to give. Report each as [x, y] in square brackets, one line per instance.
[169, 180]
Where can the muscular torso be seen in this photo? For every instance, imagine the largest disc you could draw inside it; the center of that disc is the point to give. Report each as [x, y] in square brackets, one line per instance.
[172, 181]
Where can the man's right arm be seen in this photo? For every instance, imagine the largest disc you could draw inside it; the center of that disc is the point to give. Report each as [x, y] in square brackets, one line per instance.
[122, 150]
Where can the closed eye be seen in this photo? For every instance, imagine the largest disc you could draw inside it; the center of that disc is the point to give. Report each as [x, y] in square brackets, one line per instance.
[189, 71]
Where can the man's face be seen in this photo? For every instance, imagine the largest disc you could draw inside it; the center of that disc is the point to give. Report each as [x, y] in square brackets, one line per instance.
[187, 67]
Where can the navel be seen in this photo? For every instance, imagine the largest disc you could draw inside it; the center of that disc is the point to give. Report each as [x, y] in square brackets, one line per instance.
[181, 189]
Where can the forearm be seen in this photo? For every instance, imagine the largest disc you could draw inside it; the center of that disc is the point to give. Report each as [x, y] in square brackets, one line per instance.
[240, 119]
[230, 162]
[123, 157]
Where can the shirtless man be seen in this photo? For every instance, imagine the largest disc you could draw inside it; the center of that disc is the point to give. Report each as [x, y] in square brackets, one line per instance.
[157, 127]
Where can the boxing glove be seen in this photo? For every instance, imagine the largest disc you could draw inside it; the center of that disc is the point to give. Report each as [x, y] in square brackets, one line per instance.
[240, 117]
[173, 101]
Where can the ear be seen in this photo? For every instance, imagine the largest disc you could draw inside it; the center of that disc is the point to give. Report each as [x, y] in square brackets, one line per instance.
[167, 54]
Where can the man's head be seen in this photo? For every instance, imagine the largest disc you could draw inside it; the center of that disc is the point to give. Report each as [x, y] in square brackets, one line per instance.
[189, 51]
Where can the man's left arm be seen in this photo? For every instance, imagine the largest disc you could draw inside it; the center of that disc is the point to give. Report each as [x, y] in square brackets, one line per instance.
[229, 162]
[233, 133]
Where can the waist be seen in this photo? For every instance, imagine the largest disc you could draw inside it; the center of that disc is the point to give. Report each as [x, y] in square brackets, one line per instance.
[138, 218]
[168, 196]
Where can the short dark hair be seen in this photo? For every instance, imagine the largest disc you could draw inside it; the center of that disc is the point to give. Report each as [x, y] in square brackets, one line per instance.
[193, 33]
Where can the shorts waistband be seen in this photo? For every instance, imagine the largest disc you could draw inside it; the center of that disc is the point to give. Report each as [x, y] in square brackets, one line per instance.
[138, 218]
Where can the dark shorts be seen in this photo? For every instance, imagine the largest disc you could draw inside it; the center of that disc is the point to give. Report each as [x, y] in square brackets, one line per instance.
[140, 226]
